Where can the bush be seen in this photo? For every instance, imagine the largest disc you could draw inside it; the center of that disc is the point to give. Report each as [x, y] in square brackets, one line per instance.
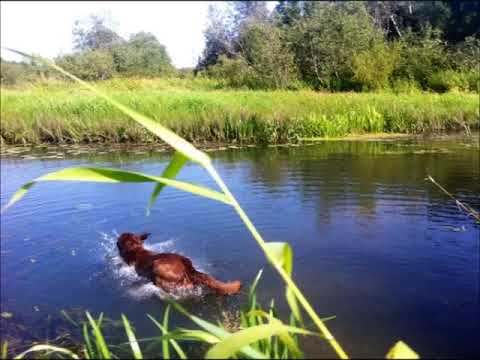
[448, 80]
[235, 72]
[89, 65]
[404, 86]
[421, 56]
[372, 68]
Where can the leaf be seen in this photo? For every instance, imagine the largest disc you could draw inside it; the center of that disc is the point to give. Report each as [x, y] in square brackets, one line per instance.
[218, 332]
[40, 347]
[242, 338]
[68, 318]
[100, 341]
[18, 195]
[165, 349]
[109, 175]
[178, 161]
[137, 353]
[401, 351]
[283, 254]
[89, 349]
[162, 132]
[4, 350]
[175, 345]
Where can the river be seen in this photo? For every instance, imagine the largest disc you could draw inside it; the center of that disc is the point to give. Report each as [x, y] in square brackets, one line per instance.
[374, 243]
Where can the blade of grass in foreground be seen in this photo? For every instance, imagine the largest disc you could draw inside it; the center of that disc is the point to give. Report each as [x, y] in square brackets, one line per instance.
[99, 339]
[218, 332]
[242, 338]
[137, 353]
[178, 161]
[108, 175]
[37, 348]
[165, 332]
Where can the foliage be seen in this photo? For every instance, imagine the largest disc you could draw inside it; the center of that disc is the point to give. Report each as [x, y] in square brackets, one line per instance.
[448, 80]
[327, 41]
[89, 65]
[420, 56]
[94, 33]
[373, 68]
[102, 53]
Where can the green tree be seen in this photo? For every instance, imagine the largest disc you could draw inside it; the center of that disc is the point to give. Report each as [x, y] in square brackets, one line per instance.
[326, 41]
[217, 39]
[94, 33]
[263, 49]
[142, 55]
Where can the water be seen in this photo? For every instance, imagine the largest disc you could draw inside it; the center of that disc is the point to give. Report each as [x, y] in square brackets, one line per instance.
[374, 244]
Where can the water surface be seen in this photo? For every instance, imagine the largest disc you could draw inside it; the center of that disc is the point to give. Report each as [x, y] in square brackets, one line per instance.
[374, 243]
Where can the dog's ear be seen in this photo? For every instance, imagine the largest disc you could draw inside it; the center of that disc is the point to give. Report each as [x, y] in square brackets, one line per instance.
[144, 236]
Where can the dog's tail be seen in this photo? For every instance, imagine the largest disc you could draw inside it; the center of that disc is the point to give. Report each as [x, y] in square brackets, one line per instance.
[224, 288]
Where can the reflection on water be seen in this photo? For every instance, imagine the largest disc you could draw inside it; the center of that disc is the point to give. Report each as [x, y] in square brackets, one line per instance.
[375, 244]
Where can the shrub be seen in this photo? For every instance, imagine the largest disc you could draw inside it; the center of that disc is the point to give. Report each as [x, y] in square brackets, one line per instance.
[372, 68]
[448, 80]
[89, 65]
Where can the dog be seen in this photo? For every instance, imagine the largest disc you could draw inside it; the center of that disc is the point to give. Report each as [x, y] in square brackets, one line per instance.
[168, 271]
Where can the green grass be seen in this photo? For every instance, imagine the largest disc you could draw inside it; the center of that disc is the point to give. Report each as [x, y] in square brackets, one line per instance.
[195, 109]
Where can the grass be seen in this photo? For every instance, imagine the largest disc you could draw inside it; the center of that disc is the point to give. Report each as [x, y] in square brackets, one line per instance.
[62, 112]
[275, 343]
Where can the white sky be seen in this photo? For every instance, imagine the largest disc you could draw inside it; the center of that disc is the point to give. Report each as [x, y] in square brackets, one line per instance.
[45, 27]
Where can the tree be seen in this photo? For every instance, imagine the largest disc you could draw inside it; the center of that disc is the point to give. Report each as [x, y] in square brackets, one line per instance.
[217, 39]
[94, 33]
[143, 55]
[261, 45]
[287, 13]
[326, 41]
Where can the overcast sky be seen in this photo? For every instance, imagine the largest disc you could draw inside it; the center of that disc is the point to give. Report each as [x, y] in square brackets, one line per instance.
[45, 28]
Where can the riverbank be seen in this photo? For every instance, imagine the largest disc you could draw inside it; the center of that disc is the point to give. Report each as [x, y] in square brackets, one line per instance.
[65, 113]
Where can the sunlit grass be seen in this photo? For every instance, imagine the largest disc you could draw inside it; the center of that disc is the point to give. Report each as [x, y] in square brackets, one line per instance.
[65, 112]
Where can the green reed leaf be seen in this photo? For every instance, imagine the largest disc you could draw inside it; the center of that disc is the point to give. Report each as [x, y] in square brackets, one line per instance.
[218, 332]
[167, 335]
[177, 163]
[4, 350]
[401, 351]
[109, 175]
[99, 339]
[242, 338]
[283, 254]
[37, 348]
[137, 353]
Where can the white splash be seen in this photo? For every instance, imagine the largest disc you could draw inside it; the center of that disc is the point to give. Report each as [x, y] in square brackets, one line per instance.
[135, 286]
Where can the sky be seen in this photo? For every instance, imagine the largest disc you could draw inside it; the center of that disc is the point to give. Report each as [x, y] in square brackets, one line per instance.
[45, 27]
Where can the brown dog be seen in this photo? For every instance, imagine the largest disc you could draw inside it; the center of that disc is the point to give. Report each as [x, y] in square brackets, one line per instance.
[166, 270]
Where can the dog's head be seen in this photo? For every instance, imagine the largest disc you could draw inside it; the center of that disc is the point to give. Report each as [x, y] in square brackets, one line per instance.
[128, 244]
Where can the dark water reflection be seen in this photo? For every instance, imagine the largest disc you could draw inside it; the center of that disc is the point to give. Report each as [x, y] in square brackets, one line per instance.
[374, 244]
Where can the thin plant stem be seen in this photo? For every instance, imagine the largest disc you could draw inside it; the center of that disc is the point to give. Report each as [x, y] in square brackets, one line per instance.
[288, 280]
[471, 211]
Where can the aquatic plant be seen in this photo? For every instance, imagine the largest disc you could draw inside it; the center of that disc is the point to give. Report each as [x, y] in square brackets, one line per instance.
[279, 254]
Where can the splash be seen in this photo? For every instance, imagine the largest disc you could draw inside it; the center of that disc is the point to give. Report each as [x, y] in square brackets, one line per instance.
[137, 287]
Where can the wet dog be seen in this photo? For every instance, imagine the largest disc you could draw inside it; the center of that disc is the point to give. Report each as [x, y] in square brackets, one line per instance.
[167, 270]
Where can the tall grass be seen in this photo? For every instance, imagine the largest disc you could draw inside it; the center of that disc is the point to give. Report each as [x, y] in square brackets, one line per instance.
[279, 254]
[66, 113]
[275, 343]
